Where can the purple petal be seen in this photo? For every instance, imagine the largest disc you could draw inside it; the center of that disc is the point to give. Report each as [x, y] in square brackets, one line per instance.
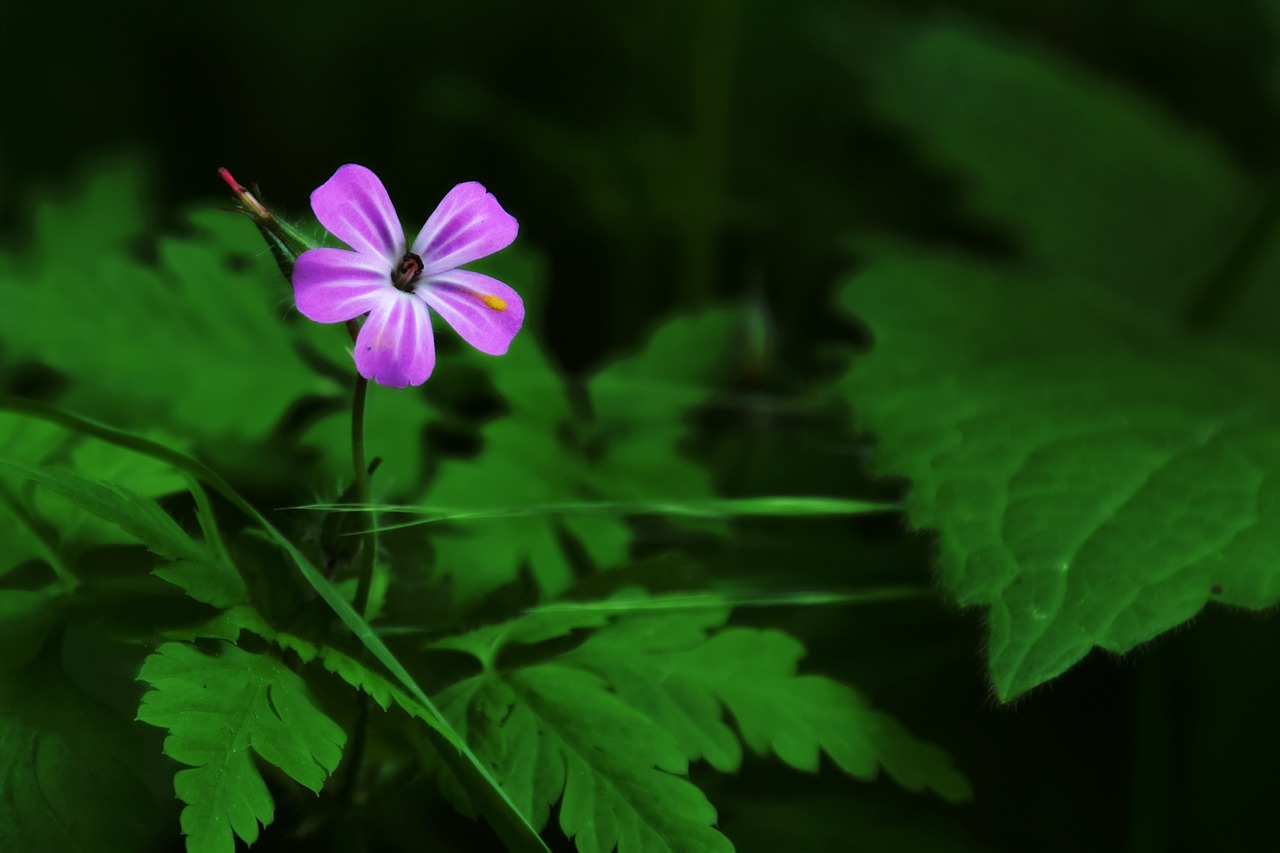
[395, 347]
[467, 225]
[334, 285]
[354, 207]
[484, 311]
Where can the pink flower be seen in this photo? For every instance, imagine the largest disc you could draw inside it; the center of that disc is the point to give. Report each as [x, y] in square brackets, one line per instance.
[395, 284]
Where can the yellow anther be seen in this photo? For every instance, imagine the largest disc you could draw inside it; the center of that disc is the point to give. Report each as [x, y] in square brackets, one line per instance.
[497, 303]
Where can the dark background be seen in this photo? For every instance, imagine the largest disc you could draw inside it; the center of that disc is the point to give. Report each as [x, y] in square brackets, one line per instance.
[664, 155]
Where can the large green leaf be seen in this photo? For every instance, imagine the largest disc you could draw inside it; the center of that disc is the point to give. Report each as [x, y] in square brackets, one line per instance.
[1086, 176]
[1096, 475]
[666, 666]
[648, 692]
[36, 526]
[185, 341]
[220, 711]
[204, 575]
[68, 775]
[556, 734]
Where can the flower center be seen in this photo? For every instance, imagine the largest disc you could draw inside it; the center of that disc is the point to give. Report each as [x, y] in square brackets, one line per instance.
[407, 272]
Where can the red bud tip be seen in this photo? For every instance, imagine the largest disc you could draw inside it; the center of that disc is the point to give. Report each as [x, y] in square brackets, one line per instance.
[252, 206]
[231, 182]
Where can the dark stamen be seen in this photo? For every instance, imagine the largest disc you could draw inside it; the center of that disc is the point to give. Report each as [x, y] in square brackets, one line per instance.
[407, 272]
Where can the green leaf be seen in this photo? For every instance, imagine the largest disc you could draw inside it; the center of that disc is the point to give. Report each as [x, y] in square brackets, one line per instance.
[196, 569]
[68, 774]
[637, 403]
[507, 822]
[564, 737]
[217, 709]
[1091, 180]
[186, 341]
[1096, 475]
[25, 618]
[535, 727]
[394, 423]
[531, 628]
[46, 527]
[525, 464]
[666, 666]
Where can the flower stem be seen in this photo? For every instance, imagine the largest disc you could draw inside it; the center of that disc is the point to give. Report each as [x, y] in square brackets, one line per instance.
[361, 471]
[368, 549]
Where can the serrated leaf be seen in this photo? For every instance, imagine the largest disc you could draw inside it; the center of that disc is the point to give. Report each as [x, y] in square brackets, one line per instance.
[68, 775]
[638, 402]
[510, 826]
[1096, 475]
[530, 628]
[198, 571]
[665, 669]
[45, 526]
[142, 519]
[523, 464]
[666, 666]
[564, 737]
[220, 710]
[1091, 179]
[185, 341]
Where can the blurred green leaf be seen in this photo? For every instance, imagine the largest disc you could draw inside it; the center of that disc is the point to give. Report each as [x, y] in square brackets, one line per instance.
[1091, 179]
[195, 568]
[68, 767]
[220, 710]
[1097, 476]
[47, 527]
[185, 341]
[637, 405]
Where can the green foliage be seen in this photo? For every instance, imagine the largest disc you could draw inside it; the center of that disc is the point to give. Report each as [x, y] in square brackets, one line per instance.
[617, 776]
[69, 767]
[185, 340]
[35, 527]
[628, 448]
[1089, 496]
[220, 711]
[1091, 181]
[1094, 477]
[603, 727]
[202, 574]
[666, 666]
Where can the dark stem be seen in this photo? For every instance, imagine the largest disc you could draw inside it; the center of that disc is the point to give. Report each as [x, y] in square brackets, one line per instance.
[361, 471]
[368, 549]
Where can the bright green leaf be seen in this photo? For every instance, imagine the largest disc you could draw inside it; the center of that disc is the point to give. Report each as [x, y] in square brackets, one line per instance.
[220, 710]
[185, 341]
[564, 737]
[666, 666]
[1096, 475]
